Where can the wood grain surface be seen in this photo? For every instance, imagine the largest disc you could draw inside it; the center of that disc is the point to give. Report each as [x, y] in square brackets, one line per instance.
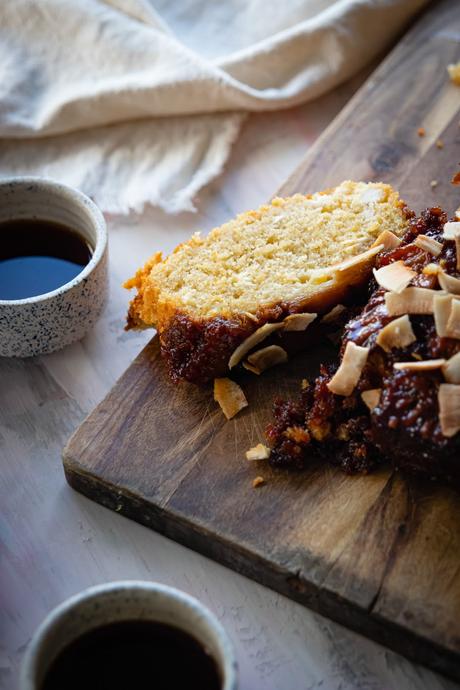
[380, 554]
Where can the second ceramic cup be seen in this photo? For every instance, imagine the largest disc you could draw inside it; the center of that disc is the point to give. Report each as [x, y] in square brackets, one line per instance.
[126, 601]
[45, 323]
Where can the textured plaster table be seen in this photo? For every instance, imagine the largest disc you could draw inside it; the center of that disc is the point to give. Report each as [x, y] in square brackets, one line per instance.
[55, 543]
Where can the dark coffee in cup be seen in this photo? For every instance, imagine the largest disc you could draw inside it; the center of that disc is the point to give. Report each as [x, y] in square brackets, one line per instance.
[133, 654]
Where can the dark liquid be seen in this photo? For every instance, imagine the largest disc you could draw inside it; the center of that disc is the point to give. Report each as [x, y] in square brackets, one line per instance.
[38, 256]
[133, 655]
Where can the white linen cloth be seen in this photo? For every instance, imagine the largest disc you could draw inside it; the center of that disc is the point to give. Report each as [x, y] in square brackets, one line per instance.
[137, 101]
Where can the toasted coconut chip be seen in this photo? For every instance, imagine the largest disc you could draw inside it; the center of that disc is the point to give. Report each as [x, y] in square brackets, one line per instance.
[298, 322]
[449, 408]
[453, 324]
[358, 260]
[249, 367]
[428, 244]
[258, 481]
[451, 230]
[259, 452]
[253, 340]
[371, 397]
[457, 249]
[229, 396]
[347, 375]
[411, 300]
[451, 369]
[397, 333]
[424, 365]
[388, 239]
[265, 358]
[441, 311]
[334, 314]
[395, 276]
[448, 282]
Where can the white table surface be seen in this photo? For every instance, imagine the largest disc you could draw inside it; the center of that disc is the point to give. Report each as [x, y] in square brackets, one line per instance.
[55, 542]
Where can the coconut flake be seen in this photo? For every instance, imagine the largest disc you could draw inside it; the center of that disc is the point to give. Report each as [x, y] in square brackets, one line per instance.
[334, 314]
[411, 300]
[453, 324]
[395, 276]
[347, 375]
[388, 239]
[229, 396]
[358, 260]
[451, 369]
[371, 397]
[457, 249]
[253, 340]
[298, 322]
[259, 452]
[424, 365]
[265, 358]
[397, 333]
[448, 282]
[451, 230]
[441, 312]
[449, 408]
[428, 244]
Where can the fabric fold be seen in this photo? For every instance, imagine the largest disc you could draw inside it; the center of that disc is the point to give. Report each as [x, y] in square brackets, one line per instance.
[75, 78]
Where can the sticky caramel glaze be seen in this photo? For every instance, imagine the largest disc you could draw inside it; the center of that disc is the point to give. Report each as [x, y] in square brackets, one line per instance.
[404, 428]
[199, 350]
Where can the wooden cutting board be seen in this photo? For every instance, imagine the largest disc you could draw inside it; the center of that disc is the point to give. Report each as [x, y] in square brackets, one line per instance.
[379, 553]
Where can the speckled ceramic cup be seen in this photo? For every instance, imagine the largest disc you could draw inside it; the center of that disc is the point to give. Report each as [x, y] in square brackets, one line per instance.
[121, 601]
[48, 322]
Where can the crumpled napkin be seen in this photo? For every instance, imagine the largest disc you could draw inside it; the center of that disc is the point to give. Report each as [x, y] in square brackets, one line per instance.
[139, 101]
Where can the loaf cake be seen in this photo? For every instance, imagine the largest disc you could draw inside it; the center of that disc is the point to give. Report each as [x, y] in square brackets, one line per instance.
[395, 397]
[296, 255]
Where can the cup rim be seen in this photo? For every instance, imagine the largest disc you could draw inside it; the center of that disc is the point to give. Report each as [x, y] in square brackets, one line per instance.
[71, 195]
[29, 662]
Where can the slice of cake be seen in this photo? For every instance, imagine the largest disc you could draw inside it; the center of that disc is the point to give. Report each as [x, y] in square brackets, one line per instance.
[298, 255]
[395, 396]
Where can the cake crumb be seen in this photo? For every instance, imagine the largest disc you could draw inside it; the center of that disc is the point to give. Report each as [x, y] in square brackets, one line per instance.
[258, 481]
[433, 184]
[454, 73]
[456, 178]
[421, 131]
[439, 144]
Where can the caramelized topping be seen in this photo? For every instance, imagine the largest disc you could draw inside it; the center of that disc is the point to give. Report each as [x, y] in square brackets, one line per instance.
[347, 375]
[397, 333]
